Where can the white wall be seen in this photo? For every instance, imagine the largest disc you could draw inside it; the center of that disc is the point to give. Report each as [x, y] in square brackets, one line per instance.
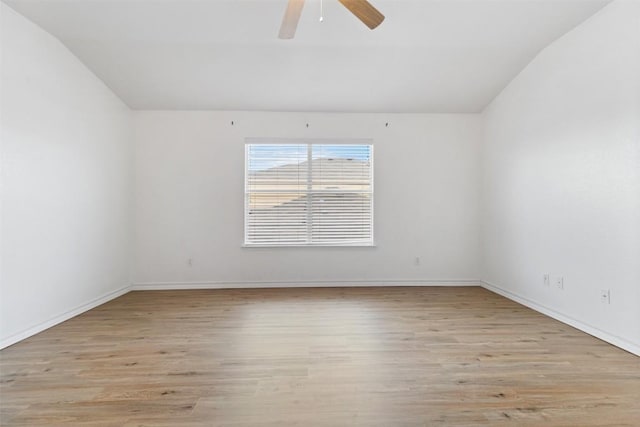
[561, 178]
[66, 157]
[189, 200]
[559, 168]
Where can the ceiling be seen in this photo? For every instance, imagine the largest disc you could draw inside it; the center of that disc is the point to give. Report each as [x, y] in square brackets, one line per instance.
[428, 56]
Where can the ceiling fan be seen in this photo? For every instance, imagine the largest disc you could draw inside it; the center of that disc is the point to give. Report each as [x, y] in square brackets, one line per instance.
[362, 9]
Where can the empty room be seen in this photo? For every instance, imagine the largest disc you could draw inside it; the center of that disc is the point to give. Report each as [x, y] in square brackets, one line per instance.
[320, 213]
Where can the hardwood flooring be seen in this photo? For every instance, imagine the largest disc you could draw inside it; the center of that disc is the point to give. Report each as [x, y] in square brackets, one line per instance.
[317, 357]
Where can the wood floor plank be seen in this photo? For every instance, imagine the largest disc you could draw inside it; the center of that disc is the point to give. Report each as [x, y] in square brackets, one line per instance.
[317, 357]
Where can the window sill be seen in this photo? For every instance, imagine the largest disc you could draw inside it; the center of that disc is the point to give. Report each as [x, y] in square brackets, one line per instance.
[245, 245]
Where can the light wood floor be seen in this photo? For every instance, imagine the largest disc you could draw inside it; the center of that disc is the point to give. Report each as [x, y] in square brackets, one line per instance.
[317, 357]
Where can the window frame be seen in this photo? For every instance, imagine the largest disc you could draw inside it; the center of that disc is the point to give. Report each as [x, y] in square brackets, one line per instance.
[309, 142]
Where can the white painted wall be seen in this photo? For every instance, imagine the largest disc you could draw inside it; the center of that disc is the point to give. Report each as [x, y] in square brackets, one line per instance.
[66, 157]
[559, 168]
[561, 178]
[189, 200]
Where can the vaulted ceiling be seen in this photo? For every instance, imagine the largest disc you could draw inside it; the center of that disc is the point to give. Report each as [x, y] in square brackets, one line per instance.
[435, 56]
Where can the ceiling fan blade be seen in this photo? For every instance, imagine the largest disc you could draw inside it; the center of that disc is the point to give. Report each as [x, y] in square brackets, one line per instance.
[364, 11]
[291, 18]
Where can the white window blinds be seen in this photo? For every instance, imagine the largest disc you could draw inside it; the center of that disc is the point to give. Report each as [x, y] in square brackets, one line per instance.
[309, 194]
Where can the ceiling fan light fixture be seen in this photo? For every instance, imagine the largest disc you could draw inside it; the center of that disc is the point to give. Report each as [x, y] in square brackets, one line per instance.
[362, 9]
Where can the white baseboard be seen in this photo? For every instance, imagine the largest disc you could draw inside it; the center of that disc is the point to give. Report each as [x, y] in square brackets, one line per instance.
[591, 330]
[157, 286]
[6, 342]
[584, 327]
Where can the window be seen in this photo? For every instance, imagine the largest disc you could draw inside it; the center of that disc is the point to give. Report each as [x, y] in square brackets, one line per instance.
[309, 194]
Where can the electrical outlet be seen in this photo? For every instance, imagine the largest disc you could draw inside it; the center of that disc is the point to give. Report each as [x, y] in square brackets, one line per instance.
[416, 261]
[560, 282]
[605, 296]
[546, 279]
[190, 262]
